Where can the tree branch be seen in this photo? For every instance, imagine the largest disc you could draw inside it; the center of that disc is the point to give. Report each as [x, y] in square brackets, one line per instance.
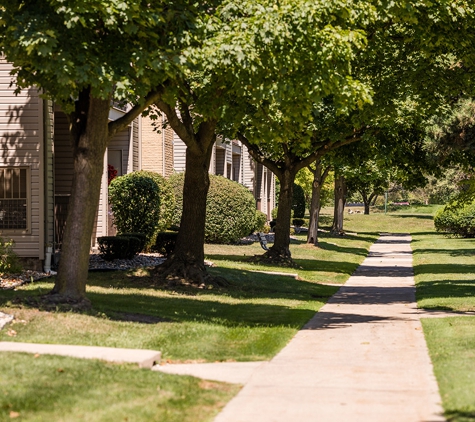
[122, 122]
[175, 123]
[254, 151]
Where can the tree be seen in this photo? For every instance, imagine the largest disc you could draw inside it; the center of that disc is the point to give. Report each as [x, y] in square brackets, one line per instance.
[254, 53]
[320, 174]
[82, 54]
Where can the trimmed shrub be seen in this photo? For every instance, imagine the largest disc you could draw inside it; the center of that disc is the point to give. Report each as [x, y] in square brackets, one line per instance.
[298, 201]
[272, 224]
[141, 236]
[142, 202]
[261, 221]
[165, 242]
[176, 182]
[9, 261]
[458, 220]
[118, 247]
[298, 222]
[230, 209]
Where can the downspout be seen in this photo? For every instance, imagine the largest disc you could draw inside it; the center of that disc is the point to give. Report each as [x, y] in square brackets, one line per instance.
[163, 146]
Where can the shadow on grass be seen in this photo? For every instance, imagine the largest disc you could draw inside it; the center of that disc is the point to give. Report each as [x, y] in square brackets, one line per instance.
[451, 252]
[419, 216]
[443, 289]
[444, 269]
[132, 299]
[337, 267]
[460, 416]
[179, 309]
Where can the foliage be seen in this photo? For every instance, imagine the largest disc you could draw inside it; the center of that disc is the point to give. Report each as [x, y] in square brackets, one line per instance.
[176, 181]
[299, 222]
[261, 221]
[455, 219]
[9, 261]
[141, 236]
[142, 202]
[304, 178]
[230, 209]
[165, 242]
[298, 201]
[118, 247]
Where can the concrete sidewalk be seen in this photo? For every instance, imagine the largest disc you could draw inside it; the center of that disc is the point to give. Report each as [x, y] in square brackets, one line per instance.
[363, 357]
[144, 358]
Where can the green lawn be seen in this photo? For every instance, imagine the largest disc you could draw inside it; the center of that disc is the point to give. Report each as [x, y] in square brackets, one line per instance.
[54, 388]
[252, 319]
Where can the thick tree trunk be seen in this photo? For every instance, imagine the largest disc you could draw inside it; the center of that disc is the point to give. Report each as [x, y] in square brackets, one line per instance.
[281, 246]
[319, 176]
[90, 137]
[366, 208]
[186, 264]
[340, 199]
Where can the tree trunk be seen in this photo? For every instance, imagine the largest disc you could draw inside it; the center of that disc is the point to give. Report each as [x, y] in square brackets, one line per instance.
[280, 251]
[186, 264]
[319, 177]
[340, 199]
[89, 134]
[366, 202]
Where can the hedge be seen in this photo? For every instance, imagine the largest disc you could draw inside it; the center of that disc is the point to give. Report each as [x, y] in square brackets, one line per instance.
[230, 209]
[298, 201]
[456, 219]
[142, 202]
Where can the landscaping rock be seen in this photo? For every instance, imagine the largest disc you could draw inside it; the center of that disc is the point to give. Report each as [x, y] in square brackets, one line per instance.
[5, 319]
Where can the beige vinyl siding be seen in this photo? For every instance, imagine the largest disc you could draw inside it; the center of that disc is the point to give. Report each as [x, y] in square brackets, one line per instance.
[21, 132]
[248, 167]
[49, 171]
[169, 136]
[136, 141]
[179, 154]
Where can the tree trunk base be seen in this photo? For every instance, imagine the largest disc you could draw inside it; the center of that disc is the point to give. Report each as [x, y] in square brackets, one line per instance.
[275, 257]
[336, 232]
[180, 273]
[58, 302]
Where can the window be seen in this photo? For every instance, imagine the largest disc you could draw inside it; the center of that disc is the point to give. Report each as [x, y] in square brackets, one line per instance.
[14, 194]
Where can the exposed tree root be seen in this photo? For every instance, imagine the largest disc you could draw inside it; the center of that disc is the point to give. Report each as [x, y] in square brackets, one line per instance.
[282, 258]
[180, 273]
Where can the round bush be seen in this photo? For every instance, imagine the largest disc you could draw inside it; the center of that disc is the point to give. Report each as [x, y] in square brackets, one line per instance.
[261, 221]
[298, 201]
[455, 219]
[142, 202]
[230, 209]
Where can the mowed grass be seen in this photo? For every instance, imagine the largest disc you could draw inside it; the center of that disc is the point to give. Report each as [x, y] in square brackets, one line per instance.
[54, 388]
[250, 320]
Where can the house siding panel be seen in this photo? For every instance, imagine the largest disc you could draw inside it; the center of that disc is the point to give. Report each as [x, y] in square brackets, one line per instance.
[20, 137]
[179, 154]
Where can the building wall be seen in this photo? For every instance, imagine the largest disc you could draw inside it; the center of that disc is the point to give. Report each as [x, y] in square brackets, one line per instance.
[21, 130]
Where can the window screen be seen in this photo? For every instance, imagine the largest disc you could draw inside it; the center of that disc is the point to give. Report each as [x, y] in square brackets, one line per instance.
[13, 198]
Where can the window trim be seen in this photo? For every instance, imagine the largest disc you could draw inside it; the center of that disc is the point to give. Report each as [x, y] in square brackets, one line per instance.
[27, 230]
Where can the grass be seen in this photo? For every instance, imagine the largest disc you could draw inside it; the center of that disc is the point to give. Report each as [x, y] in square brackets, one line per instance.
[53, 388]
[251, 320]
[451, 343]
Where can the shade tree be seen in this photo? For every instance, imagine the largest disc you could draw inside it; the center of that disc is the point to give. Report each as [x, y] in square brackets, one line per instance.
[83, 54]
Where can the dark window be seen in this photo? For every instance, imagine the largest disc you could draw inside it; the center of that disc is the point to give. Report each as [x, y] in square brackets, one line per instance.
[13, 199]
